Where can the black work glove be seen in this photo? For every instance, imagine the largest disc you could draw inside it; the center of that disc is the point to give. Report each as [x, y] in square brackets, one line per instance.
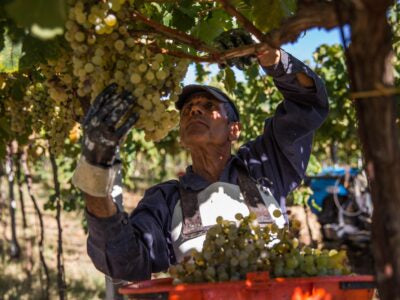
[232, 39]
[102, 126]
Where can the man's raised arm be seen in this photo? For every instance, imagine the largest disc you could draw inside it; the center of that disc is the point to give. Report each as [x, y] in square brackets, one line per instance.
[282, 152]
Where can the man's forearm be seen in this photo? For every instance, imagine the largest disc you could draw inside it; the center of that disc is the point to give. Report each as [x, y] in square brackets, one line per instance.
[101, 207]
[272, 57]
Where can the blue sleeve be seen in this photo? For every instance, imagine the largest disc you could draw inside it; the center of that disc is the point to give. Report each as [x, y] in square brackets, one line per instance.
[282, 152]
[132, 247]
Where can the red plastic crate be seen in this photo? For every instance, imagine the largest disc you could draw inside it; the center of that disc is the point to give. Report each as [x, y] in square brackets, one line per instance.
[259, 286]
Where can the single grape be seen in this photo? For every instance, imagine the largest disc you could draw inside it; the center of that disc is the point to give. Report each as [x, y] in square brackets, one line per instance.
[135, 78]
[110, 20]
[79, 36]
[119, 45]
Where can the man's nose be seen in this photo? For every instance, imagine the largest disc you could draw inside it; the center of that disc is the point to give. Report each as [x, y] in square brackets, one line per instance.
[196, 110]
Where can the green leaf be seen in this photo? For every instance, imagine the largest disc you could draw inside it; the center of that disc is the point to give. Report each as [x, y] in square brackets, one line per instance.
[2, 35]
[39, 15]
[49, 205]
[243, 6]
[23, 139]
[37, 51]
[252, 72]
[189, 8]
[18, 87]
[181, 20]
[201, 72]
[5, 131]
[212, 26]
[268, 14]
[288, 7]
[229, 80]
[10, 55]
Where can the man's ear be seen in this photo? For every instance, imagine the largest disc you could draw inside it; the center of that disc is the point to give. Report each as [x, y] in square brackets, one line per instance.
[234, 131]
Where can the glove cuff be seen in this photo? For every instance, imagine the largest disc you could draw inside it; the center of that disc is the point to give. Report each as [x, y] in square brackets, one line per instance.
[94, 180]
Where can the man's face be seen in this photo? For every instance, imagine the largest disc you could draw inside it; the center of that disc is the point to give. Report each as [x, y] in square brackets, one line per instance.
[203, 122]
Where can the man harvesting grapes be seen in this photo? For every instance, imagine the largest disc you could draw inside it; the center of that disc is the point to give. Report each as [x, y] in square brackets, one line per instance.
[173, 216]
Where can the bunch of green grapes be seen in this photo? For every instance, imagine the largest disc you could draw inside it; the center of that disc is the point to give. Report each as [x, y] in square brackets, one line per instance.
[41, 108]
[232, 249]
[15, 108]
[18, 112]
[106, 49]
[60, 102]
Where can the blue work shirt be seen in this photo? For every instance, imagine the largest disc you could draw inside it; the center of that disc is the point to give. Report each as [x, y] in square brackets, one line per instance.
[131, 247]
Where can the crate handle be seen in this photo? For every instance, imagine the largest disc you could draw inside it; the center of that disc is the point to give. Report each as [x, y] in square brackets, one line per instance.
[357, 285]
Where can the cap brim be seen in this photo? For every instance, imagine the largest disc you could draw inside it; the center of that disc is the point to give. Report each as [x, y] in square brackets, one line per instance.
[194, 88]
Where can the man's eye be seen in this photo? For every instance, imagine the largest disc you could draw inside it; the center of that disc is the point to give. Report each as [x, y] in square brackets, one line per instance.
[209, 105]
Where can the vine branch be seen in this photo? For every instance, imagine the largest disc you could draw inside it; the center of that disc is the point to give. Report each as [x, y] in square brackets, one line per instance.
[28, 182]
[15, 250]
[181, 54]
[175, 34]
[215, 58]
[20, 190]
[309, 15]
[176, 1]
[60, 261]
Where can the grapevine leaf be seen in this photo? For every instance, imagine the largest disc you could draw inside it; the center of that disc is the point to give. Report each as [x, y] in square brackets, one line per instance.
[266, 14]
[156, 6]
[212, 26]
[10, 55]
[252, 72]
[181, 20]
[37, 51]
[229, 80]
[23, 138]
[45, 18]
[201, 72]
[289, 7]
[2, 150]
[49, 205]
[4, 128]
[189, 8]
[167, 19]
[2, 35]
[18, 87]
[269, 14]
[243, 6]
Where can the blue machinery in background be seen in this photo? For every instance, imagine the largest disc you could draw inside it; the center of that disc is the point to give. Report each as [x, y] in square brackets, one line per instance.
[327, 183]
[342, 203]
